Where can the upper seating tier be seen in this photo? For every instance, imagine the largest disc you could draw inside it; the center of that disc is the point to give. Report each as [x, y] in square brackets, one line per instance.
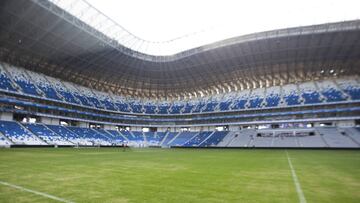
[308, 93]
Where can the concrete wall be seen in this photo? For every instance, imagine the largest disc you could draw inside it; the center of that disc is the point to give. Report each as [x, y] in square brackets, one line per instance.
[109, 127]
[83, 124]
[234, 128]
[136, 128]
[6, 116]
[162, 129]
[49, 121]
[349, 123]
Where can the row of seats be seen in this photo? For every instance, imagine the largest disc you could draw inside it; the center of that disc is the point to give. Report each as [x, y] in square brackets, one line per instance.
[27, 82]
[12, 132]
[18, 134]
[319, 137]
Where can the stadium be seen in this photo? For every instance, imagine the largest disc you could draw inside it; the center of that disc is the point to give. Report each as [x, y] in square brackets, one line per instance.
[89, 112]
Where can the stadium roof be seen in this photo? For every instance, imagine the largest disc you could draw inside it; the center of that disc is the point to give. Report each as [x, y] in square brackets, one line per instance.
[40, 36]
[160, 27]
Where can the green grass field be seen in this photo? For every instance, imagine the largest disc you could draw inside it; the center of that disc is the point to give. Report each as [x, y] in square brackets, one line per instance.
[179, 175]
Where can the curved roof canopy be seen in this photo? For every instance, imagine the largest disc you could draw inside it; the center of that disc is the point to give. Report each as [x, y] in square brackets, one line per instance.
[160, 28]
[39, 35]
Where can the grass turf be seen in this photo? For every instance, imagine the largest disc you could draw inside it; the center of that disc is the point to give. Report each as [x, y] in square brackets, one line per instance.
[179, 175]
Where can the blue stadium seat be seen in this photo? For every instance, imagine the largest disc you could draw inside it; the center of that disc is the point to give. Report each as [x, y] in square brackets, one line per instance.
[176, 109]
[49, 91]
[198, 139]
[95, 101]
[117, 137]
[188, 108]
[151, 138]
[210, 106]
[138, 136]
[255, 102]
[272, 100]
[68, 97]
[90, 135]
[122, 106]
[182, 138]
[108, 104]
[198, 107]
[19, 135]
[27, 87]
[82, 99]
[168, 138]
[136, 107]
[311, 97]
[46, 134]
[225, 105]
[160, 136]
[333, 95]
[127, 135]
[292, 99]
[5, 83]
[354, 92]
[149, 108]
[215, 139]
[239, 104]
[163, 108]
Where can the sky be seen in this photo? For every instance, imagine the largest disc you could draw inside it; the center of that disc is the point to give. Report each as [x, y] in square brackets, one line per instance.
[197, 22]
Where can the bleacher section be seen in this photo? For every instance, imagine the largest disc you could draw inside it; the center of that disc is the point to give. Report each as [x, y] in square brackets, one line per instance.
[291, 94]
[182, 138]
[167, 139]
[13, 79]
[47, 135]
[18, 134]
[5, 82]
[198, 139]
[214, 139]
[45, 86]
[69, 135]
[334, 138]
[91, 136]
[22, 80]
[116, 136]
[15, 133]
[309, 93]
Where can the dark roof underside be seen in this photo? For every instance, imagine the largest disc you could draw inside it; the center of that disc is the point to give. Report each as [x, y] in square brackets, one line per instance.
[39, 36]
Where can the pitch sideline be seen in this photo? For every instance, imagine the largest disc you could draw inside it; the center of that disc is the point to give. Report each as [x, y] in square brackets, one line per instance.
[296, 180]
[35, 192]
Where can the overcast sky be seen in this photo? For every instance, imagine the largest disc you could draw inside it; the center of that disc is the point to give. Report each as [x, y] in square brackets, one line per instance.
[212, 20]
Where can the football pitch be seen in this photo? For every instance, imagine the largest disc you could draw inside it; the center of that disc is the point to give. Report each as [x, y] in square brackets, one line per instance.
[179, 175]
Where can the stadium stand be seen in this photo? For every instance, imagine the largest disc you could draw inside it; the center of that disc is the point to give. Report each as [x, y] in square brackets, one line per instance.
[116, 136]
[69, 135]
[18, 134]
[290, 102]
[169, 138]
[308, 93]
[22, 80]
[198, 139]
[5, 81]
[47, 135]
[214, 139]
[39, 134]
[91, 135]
[182, 138]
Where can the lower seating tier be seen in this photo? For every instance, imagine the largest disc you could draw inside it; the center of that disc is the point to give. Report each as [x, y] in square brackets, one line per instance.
[16, 133]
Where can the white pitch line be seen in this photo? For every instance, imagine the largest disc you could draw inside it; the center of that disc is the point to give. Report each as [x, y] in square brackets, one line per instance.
[35, 192]
[296, 181]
